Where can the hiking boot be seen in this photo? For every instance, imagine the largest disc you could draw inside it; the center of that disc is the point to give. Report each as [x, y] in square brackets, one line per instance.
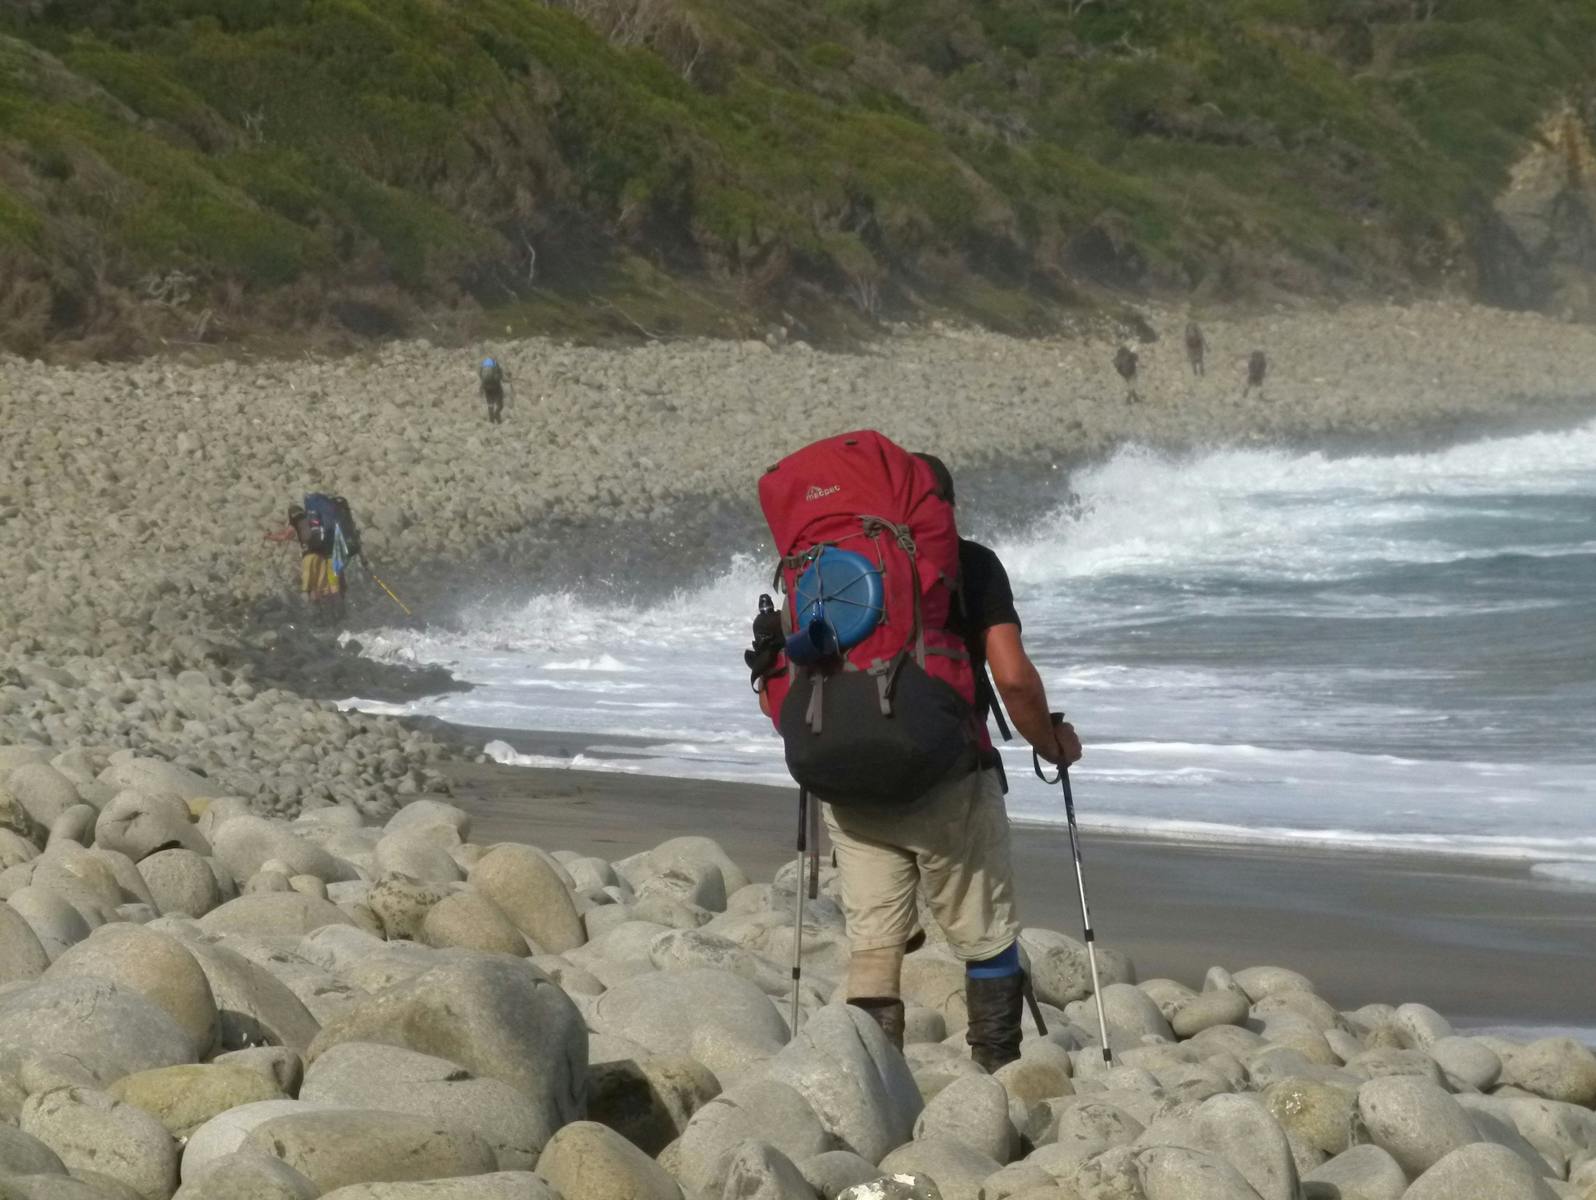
[886, 1012]
[994, 1010]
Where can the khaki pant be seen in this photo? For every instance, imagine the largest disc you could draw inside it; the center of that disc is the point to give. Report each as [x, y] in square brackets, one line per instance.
[953, 846]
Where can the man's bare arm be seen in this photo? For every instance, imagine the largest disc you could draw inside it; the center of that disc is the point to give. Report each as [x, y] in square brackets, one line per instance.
[1019, 686]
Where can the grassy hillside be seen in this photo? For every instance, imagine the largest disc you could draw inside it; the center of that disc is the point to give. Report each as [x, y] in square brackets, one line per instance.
[203, 169]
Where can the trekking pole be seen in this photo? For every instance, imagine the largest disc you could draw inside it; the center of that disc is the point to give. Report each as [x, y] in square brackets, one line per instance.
[798, 889]
[1063, 781]
[372, 575]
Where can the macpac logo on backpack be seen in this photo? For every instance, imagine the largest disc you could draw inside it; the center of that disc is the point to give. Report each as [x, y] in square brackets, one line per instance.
[882, 719]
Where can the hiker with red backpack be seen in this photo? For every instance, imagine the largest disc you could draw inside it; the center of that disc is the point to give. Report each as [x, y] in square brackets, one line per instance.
[879, 690]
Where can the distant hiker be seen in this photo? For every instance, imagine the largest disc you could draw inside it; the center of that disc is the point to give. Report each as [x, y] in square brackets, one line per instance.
[1196, 347]
[877, 579]
[491, 377]
[1125, 363]
[329, 541]
[1257, 368]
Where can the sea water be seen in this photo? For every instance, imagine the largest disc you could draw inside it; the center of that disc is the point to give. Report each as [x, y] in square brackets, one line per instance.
[1373, 649]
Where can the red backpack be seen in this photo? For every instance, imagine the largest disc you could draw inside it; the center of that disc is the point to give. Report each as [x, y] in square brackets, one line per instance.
[882, 721]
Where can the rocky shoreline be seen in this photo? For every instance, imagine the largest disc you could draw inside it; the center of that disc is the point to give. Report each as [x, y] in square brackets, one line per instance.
[215, 880]
[205, 1003]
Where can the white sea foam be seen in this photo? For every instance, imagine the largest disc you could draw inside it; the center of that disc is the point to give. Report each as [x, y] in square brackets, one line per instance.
[1372, 651]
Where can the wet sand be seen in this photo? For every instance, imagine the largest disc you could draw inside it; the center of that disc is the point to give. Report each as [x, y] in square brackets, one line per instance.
[1479, 940]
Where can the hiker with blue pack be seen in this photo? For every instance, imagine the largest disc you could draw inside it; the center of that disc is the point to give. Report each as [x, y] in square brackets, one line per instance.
[329, 542]
[490, 376]
[876, 679]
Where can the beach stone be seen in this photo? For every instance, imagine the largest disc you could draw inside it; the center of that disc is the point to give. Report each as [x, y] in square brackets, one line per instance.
[43, 791]
[958, 1168]
[18, 821]
[1316, 1114]
[1262, 982]
[55, 923]
[1030, 1081]
[1559, 1069]
[419, 814]
[1179, 1173]
[372, 1076]
[1562, 1133]
[473, 922]
[1128, 1009]
[107, 1029]
[245, 844]
[1467, 1064]
[893, 1187]
[1207, 1009]
[501, 1185]
[420, 853]
[23, 1154]
[649, 1101]
[1319, 1014]
[1242, 1131]
[498, 1017]
[1018, 1179]
[758, 1171]
[1363, 1172]
[225, 1133]
[338, 1146]
[975, 1111]
[1058, 966]
[734, 1025]
[587, 1161]
[16, 849]
[151, 776]
[835, 1171]
[758, 1110]
[139, 823]
[254, 1007]
[1482, 1171]
[524, 885]
[249, 1175]
[402, 905]
[1384, 1062]
[921, 1024]
[679, 851]
[75, 825]
[1412, 1119]
[183, 1098]
[157, 967]
[90, 1131]
[279, 914]
[278, 1065]
[22, 955]
[1420, 1026]
[856, 1081]
[52, 1187]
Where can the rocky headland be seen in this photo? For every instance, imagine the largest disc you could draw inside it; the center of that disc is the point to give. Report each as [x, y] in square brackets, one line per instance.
[249, 948]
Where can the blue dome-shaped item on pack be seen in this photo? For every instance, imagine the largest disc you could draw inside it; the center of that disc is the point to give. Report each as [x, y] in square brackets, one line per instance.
[488, 362]
[843, 590]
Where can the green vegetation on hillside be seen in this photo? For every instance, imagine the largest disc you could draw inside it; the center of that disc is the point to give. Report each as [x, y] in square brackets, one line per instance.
[205, 166]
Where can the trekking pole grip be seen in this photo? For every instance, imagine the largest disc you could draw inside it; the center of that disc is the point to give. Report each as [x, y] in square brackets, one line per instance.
[1063, 768]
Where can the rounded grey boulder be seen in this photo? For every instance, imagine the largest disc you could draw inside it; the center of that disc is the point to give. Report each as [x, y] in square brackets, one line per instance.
[758, 1109]
[858, 1084]
[1558, 1069]
[181, 882]
[372, 1076]
[501, 1185]
[524, 886]
[1413, 1120]
[471, 921]
[340, 1146]
[140, 823]
[1482, 1171]
[586, 1161]
[157, 967]
[107, 1028]
[1360, 1173]
[248, 1175]
[280, 914]
[22, 955]
[498, 1017]
[973, 1110]
[90, 1131]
